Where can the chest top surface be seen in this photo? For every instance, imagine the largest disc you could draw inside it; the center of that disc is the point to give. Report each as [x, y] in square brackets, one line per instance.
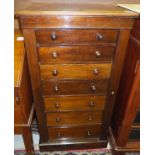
[18, 58]
[75, 9]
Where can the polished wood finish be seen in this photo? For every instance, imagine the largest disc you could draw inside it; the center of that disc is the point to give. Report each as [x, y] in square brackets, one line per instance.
[75, 9]
[81, 143]
[19, 56]
[83, 76]
[69, 133]
[30, 42]
[40, 17]
[116, 74]
[22, 85]
[72, 87]
[89, 5]
[76, 22]
[131, 146]
[74, 118]
[23, 100]
[77, 71]
[55, 36]
[75, 54]
[74, 103]
[128, 99]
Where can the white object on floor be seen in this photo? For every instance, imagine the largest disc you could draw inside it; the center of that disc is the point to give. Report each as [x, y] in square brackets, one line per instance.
[19, 143]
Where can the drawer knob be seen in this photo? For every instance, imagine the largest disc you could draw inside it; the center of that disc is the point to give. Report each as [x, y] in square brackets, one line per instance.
[55, 72]
[90, 118]
[58, 135]
[17, 100]
[54, 55]
[92, 104]
[53, 36]
[99, 36]
[56, 88]
[112, 92]
[89, 133]
[58, 119]
[96, 71]
[98, 54]
[57, 105]
[93, 87]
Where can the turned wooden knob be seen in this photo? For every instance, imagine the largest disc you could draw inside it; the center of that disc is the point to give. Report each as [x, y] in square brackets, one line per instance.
[57, 105]
[90, 118]
[96, 71]
[55, 72]
[58, 119]
[56, 88]
[54, 55]
[58, 135]
[97, 53]
[17, 100]
[92, 104]
[112, 92]
[93, 87]
[53, 36]
[99, 37]
[89, 133]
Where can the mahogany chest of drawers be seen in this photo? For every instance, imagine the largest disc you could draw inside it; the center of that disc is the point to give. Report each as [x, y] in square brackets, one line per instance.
[75, 60]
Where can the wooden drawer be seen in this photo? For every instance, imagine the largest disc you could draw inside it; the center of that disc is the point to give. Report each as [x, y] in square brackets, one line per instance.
[74, 87]
[74, 132]
[75, 54]
[75, 71]
[76, 103]
[59, 36]
[74, 118]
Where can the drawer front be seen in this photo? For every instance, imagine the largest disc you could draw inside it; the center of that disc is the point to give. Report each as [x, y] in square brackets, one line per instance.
[75, 54]
[74, 103]
[74, 87]
[75, 71]
[68, 133]
[74, 118]
[60, 36]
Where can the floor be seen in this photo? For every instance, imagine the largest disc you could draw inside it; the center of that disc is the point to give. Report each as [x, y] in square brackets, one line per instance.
[19, 145]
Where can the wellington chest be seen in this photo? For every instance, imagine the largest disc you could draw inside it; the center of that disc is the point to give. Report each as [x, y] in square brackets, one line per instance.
[75, 58]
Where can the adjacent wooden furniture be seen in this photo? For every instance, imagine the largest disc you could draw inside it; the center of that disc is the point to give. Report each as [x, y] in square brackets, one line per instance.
[125, 128]
[75, 58]
[23, 107]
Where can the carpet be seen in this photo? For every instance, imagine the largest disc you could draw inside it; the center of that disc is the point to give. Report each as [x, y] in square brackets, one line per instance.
[71, 152]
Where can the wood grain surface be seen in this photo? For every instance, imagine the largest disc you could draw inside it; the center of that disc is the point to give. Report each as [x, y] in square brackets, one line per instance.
[74, 118]
[74, 103]
[75, 71]
[75, 54]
